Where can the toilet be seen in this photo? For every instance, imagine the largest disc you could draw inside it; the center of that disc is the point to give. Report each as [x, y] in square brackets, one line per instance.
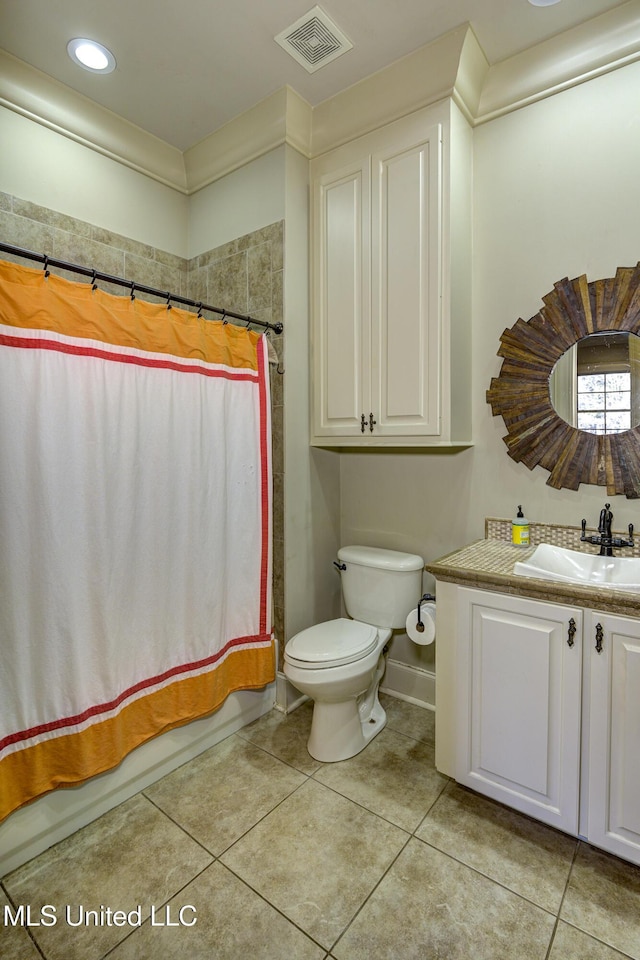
[339, 664]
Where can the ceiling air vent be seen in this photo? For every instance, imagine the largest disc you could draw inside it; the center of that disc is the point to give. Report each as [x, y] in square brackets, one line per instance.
[314, 40]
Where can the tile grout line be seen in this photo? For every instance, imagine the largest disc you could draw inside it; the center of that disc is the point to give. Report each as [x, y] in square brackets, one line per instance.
[573, 925]
[132, 932]
[411, 836]
[179, 826]
[451, 784]
[272, 906]
[370, 894]
[311, 777]
[480, 873]
[217, 859]
[562, 899]
[14, 905]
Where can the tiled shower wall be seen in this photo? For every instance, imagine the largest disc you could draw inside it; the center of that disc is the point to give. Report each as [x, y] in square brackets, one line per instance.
[245, 275]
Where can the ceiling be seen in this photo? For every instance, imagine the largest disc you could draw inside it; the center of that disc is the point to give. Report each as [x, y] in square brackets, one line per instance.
[186, 68]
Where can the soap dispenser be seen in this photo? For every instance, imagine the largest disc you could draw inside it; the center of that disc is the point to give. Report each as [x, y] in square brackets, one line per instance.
[520, 529]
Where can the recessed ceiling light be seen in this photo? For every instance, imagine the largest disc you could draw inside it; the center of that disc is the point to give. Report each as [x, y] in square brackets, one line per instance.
[91, 55]
[543, 3]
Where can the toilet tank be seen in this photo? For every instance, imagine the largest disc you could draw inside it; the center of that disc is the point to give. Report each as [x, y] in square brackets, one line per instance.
[380, 586]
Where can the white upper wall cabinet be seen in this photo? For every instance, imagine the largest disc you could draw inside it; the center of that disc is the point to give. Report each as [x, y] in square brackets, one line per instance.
[388, 340]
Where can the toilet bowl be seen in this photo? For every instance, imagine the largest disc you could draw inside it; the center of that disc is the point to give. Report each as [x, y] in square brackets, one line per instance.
[339, 663]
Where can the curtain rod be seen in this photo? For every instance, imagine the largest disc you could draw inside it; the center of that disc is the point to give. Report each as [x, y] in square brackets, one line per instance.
[135, 287]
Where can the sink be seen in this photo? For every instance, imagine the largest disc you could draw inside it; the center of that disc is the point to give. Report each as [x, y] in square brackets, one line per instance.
[570, 566]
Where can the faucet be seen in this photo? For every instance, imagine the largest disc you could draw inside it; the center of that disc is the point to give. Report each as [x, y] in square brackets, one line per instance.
[605, 540]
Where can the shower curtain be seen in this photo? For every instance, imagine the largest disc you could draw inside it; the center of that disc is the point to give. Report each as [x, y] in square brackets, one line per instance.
[135, 525]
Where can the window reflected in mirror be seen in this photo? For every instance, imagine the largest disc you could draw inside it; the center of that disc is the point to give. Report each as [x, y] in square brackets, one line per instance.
[595, 385]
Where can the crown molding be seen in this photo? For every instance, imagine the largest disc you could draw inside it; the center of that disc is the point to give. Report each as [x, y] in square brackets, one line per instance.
[423, 77]
[596, 47]
[473, 69]
[283, 117]
[46, 101]
[453, 66]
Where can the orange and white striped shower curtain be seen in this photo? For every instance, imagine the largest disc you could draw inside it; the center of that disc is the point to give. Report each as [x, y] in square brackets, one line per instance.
[135, 525]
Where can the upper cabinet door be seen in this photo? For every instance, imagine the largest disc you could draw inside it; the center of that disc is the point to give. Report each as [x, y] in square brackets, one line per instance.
[614, 735]
[406, 314]
[390, 240]
[342, 303]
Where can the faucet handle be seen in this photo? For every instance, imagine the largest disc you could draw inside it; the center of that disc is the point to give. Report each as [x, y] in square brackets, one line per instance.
[584, 530]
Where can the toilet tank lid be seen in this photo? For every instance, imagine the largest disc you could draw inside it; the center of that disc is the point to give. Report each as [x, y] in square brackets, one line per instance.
[378, 557]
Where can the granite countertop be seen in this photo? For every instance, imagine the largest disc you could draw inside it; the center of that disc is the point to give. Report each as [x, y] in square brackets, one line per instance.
[488, 565]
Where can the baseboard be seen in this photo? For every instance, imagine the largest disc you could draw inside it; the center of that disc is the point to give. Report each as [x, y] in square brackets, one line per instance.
[410, 683]
[37, 826]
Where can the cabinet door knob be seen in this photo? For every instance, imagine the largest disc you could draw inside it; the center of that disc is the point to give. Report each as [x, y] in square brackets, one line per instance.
[599, 636]
[571, 632]
[363, 423]
[372, 422]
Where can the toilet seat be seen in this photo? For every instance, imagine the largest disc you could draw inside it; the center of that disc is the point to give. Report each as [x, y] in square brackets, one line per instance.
[331, 644]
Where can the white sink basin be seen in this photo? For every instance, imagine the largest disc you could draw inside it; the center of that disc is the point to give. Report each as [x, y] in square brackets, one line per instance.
[570, 566]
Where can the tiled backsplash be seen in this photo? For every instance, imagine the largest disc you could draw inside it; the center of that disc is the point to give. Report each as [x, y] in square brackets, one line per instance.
[245, 275]
[559, 536]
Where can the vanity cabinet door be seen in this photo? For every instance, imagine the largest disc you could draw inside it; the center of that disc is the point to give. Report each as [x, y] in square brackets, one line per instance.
[613, 645]
[518, 703]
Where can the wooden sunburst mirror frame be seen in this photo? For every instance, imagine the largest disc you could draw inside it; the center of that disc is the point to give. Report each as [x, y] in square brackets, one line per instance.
[537, 436]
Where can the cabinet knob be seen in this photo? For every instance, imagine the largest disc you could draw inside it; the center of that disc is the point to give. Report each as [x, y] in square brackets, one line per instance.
[599, 636]
[372, 422]
[363, 423]
[571, 632]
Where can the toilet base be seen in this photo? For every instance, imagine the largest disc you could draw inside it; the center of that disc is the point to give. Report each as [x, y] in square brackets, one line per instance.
[341, 730]
[338, 731]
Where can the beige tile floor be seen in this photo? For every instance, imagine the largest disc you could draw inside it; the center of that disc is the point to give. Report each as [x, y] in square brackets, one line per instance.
[284, 857]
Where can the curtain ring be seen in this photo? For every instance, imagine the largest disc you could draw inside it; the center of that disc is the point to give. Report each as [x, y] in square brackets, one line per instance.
[94, 283]
[133, 291]
[46, 267]
[224, 317]
[199, 306]
[169, 306]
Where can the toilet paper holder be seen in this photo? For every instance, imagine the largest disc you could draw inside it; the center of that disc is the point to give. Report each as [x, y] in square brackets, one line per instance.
[423, 599]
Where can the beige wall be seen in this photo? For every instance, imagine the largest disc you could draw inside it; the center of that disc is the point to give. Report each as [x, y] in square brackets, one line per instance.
[41, 166]
[238, 204]
[555, 195]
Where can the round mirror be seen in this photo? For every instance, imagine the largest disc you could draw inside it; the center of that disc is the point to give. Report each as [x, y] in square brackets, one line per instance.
[595, 385]
[580, 430]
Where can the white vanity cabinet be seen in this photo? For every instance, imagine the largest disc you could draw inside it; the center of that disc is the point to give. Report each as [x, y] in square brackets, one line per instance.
[547, 713]
[519, 678]
[613, 742]
[387, 335]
